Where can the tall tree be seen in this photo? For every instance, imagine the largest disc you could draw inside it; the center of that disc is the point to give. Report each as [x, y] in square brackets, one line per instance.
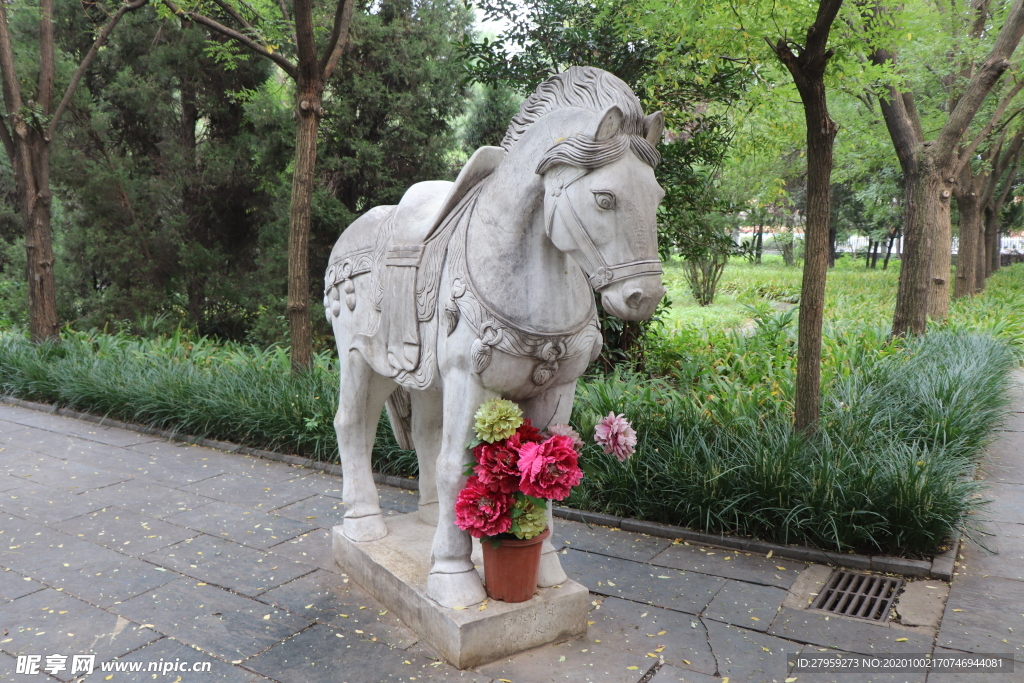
[807, 65]
[310, 68]
[974, 192]
[27, 133]
[931, 168]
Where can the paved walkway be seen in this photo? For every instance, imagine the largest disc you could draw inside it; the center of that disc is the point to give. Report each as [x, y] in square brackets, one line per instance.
[139, 550]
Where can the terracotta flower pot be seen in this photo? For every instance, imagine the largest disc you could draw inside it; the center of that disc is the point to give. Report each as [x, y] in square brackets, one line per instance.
[510, 570]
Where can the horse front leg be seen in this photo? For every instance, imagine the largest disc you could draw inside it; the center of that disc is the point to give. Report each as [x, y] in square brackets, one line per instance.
[360, 402]
[552, 407]
[453, 580]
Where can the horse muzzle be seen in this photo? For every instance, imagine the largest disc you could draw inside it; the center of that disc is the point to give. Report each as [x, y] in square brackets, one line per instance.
[633, 299]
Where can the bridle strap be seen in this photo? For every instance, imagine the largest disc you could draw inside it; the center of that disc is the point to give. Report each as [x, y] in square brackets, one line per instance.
[598, 272]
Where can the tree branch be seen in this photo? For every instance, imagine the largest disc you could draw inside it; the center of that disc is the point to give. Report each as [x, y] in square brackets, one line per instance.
[11, 86]
[235, 14]
[968, 152]
[339, 38]
[275, 57]
[87, 60]
[44, 92]
[978, 88]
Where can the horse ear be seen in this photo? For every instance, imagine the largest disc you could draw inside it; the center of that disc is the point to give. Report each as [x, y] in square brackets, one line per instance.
[654, 126]
[611, 123]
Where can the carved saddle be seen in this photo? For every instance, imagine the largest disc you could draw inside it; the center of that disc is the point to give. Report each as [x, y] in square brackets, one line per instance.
[408, 258]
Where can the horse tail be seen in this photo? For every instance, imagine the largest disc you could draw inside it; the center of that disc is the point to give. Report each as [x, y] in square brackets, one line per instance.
[399, 407]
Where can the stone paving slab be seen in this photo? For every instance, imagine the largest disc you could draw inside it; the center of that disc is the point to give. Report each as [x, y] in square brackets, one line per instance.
[13, 585]
[745, 655]
[673, 674]
[984, 614]
[71, 477]
[336, 601]
[252, 493]
[1003, 463]
[731, 563]
[314, 549]
[124, 531]
[323, 654]
[749, 605]
[847, 634]
[605, 541]
[1004, 557]
[50, 622]
[216, 621]
[1007, 503]
[172, 651]
[45, 505]
[683, 591]
[325, 512]
[145, 498]
[254, 529]
[228, 564]
[147, 468]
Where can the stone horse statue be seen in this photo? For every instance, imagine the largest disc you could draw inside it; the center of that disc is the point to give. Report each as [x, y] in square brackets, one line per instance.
[482, 288]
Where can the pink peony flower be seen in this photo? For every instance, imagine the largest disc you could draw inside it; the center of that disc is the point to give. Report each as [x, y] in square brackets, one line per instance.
[497, 465]
[616, 436]
[483, 512]
[565, 430]
[549, 469]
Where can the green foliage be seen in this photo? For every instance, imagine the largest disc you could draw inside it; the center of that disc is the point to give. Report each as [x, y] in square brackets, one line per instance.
[888, 470]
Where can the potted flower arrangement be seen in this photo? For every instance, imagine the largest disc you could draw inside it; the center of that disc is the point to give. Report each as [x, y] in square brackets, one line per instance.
[517, 471]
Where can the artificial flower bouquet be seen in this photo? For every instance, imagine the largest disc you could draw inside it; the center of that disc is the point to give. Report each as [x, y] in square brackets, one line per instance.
[518, 469]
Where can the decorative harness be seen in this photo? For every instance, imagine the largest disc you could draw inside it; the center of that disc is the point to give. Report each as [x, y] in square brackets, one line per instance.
[593, 262]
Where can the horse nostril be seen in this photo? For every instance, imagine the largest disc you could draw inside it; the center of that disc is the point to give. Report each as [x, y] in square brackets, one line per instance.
[634, 298]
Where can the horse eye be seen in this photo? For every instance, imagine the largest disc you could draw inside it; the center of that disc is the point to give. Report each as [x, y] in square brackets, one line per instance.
[605, 200]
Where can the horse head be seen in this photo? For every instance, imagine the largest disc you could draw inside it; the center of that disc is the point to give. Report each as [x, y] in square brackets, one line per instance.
[600, 207]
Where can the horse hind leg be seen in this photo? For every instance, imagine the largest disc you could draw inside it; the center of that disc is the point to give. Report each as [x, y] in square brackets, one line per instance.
[427, 414]
[360, 402]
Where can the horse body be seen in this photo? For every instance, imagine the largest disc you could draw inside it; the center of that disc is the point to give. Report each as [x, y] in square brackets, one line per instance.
[514, 313]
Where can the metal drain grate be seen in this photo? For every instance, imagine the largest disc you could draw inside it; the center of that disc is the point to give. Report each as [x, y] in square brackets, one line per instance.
[858, 595]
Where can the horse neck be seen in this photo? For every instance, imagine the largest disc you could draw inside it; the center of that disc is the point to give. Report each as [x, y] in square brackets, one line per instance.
[513, 265]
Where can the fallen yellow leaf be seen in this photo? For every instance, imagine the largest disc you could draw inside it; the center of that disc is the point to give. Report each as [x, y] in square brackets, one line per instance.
[755, 618]
[632, 668]
[901, 640]
[661, 633]
[769, 555]
[781, 569]
[659, 648]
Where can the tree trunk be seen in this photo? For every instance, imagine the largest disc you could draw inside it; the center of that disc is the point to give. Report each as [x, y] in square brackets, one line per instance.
[969, 204]
[808, 71]
[821, 133]
[303, 180]
[759, 243]
[888, 249]
[34, 186]
[937, 207]
[911, 314]
[991, 241]
[981, 259]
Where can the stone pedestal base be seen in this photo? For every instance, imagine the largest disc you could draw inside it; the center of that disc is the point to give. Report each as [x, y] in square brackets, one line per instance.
[394, 571]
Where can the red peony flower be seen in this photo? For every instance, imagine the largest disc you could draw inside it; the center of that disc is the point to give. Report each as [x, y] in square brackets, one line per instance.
[549, 469]
[497, 465]
[483, 512]
[526, 433]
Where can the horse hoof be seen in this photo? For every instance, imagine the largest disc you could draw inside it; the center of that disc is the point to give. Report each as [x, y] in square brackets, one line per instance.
[550, 572]
[429, 513]
[456, 590]
[364, 529]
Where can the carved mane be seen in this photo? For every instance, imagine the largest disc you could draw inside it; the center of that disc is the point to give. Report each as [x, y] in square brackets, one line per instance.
[588, 88]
